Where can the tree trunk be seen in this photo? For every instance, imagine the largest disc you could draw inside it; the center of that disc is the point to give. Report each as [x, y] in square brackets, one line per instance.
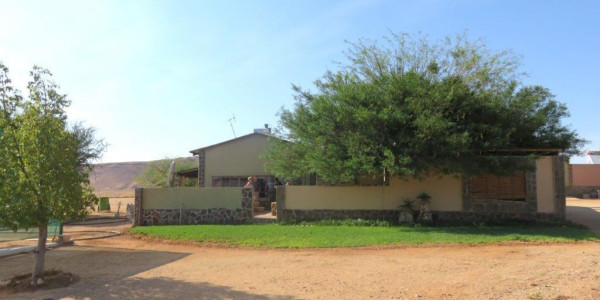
[40, 252]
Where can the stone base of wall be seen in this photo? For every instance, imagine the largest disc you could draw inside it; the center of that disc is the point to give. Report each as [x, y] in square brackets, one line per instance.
[289, 215]
[471, 217]
[196, 216]
[299, 215]
[578, 191]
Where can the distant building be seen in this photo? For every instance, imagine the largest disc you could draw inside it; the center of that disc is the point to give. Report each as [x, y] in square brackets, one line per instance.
[592, 157]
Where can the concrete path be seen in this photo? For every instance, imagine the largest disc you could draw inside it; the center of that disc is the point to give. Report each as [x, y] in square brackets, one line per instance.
[585, 212]
[25, 249]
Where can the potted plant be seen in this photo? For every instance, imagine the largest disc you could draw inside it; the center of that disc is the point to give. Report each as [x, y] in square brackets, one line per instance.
[406, 212]
[424, 207]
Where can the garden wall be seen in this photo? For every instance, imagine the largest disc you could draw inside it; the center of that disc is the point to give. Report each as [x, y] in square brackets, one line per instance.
[174, 206]
[446, 192]
[583, 179]
[451, 199]
[365, 202]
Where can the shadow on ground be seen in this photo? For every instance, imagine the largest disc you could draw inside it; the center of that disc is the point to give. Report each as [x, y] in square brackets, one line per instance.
[106, 273]
[588, 215]
[162, 288]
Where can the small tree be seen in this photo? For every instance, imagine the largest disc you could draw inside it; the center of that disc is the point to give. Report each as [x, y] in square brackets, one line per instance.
[411, 107]
[44, 161]
[156, 173]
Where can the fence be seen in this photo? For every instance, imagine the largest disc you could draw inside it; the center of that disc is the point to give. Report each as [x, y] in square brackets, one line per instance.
[31, 233]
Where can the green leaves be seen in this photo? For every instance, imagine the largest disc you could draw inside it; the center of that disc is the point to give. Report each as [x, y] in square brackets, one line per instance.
[44, 162]
[412, 108]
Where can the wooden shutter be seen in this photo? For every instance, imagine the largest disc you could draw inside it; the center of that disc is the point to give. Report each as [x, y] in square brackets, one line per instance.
[492, 187]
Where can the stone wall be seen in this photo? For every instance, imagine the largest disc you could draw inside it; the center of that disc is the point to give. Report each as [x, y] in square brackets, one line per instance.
[560, 199]
[299, 215]
[201, 167]
[473, 217]
[447, 217]
[502, 206]
[195, 216]
[137, 210]
[578, 191]
[241, 215]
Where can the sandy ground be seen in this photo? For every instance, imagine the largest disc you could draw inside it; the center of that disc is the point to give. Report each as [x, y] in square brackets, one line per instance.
[126, 268]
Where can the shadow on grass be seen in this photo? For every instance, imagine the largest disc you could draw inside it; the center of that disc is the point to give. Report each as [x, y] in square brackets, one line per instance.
[553, 231]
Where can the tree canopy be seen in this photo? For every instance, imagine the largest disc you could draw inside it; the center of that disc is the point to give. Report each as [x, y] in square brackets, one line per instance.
[44, 160]
[412, 107]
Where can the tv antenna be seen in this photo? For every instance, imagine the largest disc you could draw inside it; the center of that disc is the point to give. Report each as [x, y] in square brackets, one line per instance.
[231, 123]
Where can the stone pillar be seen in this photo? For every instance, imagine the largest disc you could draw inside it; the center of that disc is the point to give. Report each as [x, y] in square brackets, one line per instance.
[137, 215]
[530, 192]
[560, 201]
[466, 194]
[280, 198]
[247, 204]
[201, 168]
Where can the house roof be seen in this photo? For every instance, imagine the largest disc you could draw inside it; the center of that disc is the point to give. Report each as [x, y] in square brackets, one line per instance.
[193, 172]
[521, 151]
[196, 151]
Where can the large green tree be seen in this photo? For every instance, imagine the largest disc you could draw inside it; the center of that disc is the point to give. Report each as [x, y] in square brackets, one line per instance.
[411, 107]
[44, 160]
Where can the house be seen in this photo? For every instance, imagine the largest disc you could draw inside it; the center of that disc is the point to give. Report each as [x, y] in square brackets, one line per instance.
[223, 168]
[230, 163]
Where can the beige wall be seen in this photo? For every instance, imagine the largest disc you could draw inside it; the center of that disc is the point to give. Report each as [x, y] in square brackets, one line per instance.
[236, 158]
[585, 175]
[174, 198]
[544, 175]
[446, 192]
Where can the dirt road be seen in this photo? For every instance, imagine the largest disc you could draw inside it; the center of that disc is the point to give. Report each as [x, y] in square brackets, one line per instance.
[125, 268]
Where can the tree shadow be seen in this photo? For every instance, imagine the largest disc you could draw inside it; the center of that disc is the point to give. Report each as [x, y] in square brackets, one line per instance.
[588, 216]
[162, 288]
[106, 273]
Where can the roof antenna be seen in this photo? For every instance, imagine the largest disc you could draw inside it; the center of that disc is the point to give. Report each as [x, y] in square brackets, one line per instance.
[230, 123]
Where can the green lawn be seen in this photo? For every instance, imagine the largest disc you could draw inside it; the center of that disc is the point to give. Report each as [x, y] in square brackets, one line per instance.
[323, 236]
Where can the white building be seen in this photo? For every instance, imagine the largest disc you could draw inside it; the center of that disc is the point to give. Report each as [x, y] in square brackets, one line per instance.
[592, 157]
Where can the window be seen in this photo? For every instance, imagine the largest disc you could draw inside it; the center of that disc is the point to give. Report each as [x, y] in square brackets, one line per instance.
[229, 181]
[240, 181]
[492, 187]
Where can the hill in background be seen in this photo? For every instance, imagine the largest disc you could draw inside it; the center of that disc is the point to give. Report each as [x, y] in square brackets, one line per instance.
[118, 179]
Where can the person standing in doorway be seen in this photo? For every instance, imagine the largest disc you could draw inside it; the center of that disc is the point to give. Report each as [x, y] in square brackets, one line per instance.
[253, 183]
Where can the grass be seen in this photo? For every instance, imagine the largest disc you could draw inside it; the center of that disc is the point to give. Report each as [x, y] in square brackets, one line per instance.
[331, 236]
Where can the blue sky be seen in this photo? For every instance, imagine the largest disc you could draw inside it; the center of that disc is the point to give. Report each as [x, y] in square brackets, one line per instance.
[159, 78]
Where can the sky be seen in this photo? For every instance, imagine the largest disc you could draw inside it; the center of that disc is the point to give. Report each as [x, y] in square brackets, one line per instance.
[160, 78]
